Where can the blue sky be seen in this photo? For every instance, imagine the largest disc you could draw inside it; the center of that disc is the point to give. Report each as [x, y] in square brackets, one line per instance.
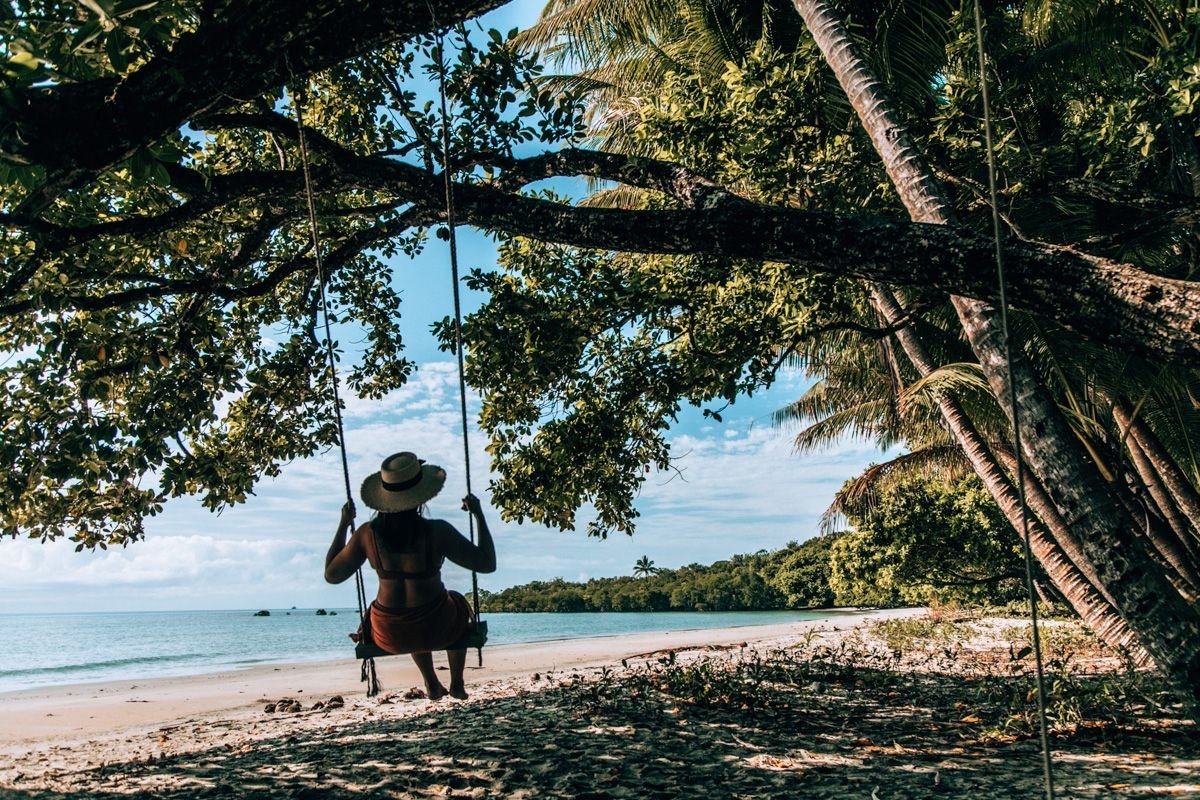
[740, 489]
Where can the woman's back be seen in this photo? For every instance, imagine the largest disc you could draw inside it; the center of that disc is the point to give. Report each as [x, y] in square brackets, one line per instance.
[403, 549]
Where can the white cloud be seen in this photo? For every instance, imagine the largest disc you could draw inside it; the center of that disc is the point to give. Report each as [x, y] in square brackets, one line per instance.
[741, 489]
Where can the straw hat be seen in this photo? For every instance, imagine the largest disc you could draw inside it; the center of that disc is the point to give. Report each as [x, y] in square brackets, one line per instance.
[404, 482]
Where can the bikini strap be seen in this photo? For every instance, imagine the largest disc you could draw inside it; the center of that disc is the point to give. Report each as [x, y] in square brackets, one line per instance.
[395, 575]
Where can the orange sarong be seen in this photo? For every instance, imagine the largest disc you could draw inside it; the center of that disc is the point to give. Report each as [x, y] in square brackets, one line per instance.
[420, 629]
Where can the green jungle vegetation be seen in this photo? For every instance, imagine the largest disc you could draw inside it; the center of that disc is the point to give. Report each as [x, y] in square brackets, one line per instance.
[920, 542]
[778, 185]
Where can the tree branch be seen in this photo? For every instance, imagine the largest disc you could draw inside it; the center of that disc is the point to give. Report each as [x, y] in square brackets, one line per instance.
[1111, 302]
[78, 130]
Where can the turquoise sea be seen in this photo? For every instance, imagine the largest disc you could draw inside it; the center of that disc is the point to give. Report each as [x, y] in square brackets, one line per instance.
[51, 649]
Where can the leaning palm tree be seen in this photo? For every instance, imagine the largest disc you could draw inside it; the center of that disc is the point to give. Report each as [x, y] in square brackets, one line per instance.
[866, 391]
[1166, 624]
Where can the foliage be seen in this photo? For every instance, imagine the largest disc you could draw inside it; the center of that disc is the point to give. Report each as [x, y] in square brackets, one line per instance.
[907, 633]
[169, 359]
[926, 541]
[161, 352]
[585, 359]
[931, 542]
[743, 583]
[801, 572]
[768, 121]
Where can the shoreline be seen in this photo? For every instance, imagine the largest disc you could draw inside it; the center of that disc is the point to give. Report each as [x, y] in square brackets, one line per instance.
[38, 717]
[820, 708]
[197, 671]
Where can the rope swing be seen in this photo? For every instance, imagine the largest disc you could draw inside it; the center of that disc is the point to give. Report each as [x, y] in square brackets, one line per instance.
[451, 223]
[1043, 727]
[476, 635]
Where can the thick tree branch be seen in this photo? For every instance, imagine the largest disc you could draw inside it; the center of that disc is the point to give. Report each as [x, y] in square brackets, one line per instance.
[78, 130]
[673, 180]
[210, 285]
[1096, 297]
[1108, 301]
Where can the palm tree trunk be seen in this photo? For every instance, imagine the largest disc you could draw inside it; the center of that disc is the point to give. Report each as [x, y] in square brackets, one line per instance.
[1074, 577]
[1164, 526]
[1186, 497]
[1171, 541]
[1166, 625]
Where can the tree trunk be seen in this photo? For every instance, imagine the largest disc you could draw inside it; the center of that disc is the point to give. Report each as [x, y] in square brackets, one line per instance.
[1164, 526]
[1166, 625]
[1075, 579]
[1169, 535]
[1186, 497]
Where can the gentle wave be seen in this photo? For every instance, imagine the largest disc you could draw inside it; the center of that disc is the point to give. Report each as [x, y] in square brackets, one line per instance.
[90, 666]
[96, 646]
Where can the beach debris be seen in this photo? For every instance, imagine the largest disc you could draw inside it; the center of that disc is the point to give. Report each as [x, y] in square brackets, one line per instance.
[414, 693]
[337, 701]
[285, 705]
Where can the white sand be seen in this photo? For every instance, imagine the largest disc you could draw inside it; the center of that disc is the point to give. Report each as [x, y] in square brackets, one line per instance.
[59, 715]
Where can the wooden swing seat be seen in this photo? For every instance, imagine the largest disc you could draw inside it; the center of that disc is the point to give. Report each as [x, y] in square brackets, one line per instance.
[475, 637]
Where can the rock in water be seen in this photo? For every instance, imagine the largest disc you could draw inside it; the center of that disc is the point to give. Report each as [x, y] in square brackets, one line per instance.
[321, 612]
[263, 613]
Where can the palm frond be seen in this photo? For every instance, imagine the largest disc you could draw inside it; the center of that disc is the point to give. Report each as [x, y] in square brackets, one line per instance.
[864, 420]
[859, 496]
[587, 33]
[912, 36]
[954, 379]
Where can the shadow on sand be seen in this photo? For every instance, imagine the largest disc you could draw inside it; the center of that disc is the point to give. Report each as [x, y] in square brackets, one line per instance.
[886, 739]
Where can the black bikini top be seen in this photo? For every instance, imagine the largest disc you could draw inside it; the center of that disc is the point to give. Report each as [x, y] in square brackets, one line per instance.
[430, 571]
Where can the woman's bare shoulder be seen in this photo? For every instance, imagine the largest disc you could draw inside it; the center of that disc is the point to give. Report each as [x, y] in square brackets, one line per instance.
[441, 527]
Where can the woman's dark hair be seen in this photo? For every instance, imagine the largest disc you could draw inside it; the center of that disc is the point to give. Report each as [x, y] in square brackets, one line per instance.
[398, 530]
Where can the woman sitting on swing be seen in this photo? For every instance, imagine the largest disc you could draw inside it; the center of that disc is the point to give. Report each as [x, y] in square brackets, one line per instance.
[414, 612]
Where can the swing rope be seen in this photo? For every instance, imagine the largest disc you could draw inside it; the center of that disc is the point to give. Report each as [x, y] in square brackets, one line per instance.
[368, 673]
[1047, 763]
[448, 185]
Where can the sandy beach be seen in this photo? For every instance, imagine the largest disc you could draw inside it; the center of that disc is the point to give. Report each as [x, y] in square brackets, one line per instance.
[799, 709]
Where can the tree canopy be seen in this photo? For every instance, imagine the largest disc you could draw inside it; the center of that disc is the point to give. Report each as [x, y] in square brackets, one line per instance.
[149, 185]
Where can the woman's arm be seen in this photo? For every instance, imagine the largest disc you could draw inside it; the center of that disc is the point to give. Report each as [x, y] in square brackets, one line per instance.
[343, 559]
[479, 557]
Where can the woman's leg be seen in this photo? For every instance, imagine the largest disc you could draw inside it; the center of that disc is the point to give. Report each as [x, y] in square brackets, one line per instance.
[458, 661]
[433, 687]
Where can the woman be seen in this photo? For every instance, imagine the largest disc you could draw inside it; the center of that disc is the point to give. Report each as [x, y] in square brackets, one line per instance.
[413, 612]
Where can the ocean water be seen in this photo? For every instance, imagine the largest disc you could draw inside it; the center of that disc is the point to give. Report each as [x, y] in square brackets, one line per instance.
[53, 649]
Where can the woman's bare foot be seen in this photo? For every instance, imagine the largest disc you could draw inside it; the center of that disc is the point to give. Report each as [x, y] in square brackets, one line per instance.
[458, 691]
[436, 692]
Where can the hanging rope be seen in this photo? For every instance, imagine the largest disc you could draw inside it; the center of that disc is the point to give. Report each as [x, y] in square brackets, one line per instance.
[1047, 764]
[369, 675]
[448, 185]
